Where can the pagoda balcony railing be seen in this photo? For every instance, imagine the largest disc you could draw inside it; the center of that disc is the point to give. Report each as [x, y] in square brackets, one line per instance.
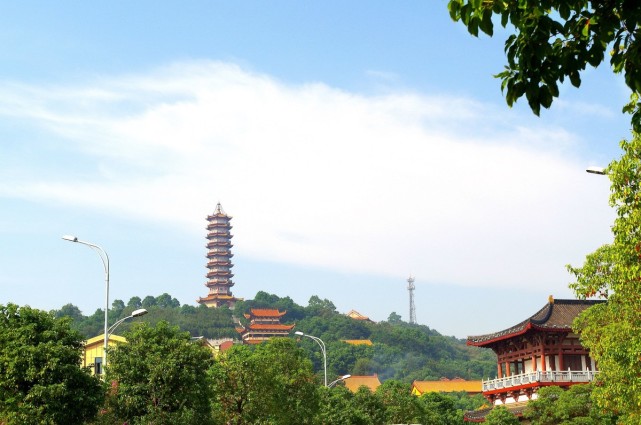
[545, 377]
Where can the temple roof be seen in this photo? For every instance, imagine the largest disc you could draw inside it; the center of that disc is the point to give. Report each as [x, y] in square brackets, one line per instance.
[270, 326]
[447, 386]
[357, 341]
[555, 316]
[265, 312]
[353, 383]
[217, 297]
[353, 314]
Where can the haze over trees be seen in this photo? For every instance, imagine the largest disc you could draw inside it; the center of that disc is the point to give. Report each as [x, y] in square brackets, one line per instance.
[554, 41]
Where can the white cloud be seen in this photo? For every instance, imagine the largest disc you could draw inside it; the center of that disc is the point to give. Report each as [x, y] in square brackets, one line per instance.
[446, 188]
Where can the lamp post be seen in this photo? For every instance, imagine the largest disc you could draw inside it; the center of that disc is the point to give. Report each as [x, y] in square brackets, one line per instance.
[321, 344]
[596, 170]
[135, 313]
[105, 263]
[342, 378]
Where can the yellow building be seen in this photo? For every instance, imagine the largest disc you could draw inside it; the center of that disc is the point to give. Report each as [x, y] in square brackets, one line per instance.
[94, 352]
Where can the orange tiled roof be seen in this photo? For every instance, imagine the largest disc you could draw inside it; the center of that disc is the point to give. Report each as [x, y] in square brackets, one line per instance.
[358, 341]
[353, 383]
[267, 326]
[266, 312]
[422, 387]
[216, 297]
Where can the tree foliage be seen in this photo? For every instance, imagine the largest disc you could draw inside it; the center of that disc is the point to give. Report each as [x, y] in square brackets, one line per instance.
[41, 381]
[272, 383]
[501, 416]
[612, 330]
[555, 41]
[556, 405]
[162, 377]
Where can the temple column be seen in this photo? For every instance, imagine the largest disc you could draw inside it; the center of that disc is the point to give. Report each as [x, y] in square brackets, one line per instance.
[561, 366]
[533, 362]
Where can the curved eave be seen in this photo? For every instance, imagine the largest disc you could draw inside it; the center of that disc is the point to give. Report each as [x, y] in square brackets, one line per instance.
[528, 327]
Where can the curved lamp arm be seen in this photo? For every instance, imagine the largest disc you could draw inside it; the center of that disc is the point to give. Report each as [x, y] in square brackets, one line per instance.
[321, 344]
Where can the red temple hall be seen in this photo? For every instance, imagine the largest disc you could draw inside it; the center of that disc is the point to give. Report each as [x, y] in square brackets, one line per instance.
[263, 325]
[539, 351]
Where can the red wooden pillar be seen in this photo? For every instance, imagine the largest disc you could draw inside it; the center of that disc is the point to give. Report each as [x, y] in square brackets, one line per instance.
[561, 366]
[533, 362]
[500, 370]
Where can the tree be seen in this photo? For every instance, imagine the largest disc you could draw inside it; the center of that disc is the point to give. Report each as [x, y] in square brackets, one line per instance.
[440, 409]
[162, 377]
[272, 383]
[400, 405]
[612, 330]
[555, 405]
[134, 302]
[556, 40]
[501, 416]
[69, 310]
[394, 318]
[149, 301]
[338, 408]
[41, 381]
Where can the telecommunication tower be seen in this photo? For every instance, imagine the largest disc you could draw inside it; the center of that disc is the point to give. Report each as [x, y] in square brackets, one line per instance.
[410, 288]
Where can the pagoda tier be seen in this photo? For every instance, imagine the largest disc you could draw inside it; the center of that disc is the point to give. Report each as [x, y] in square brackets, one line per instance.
[263, 325]
[537, 352]
[219, 263]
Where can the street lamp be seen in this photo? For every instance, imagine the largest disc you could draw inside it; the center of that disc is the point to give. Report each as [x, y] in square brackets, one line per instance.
[321, 344]
[342, 378]
[105, 262]
[136, 313]
[596, 170]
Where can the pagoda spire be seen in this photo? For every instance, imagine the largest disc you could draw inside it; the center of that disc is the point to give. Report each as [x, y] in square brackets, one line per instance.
[219, 262]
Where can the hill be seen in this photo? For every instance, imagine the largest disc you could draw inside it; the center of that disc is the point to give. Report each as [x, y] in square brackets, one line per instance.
[399, 350]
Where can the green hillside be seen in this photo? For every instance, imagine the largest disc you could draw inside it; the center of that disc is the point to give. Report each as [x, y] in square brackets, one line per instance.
[399, 350]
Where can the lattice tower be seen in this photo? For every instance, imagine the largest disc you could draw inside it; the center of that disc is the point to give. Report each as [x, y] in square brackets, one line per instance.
[410, 288]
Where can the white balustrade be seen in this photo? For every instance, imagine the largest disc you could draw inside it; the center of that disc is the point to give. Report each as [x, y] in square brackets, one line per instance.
[561, 376]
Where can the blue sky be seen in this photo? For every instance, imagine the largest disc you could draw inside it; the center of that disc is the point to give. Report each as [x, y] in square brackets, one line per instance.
[353, 143]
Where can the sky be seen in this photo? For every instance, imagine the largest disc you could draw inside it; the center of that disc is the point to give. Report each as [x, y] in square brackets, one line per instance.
[353, 143]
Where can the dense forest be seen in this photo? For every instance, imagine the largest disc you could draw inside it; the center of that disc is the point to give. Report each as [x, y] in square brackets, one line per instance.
[399, 350]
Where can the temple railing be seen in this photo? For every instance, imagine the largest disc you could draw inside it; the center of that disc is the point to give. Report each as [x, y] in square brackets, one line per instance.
[548, 376]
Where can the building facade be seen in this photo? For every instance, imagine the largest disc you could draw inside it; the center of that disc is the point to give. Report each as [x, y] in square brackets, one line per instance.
[537, 352]
[94, 352]
[219, 264]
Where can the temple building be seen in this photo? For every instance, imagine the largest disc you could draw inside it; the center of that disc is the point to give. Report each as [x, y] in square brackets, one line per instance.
[263, 325]
[540, 351]
[219, 263]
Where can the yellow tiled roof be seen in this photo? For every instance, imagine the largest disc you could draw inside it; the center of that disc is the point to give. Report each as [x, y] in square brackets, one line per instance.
[358, 341]
[353, 383]
[422, 387]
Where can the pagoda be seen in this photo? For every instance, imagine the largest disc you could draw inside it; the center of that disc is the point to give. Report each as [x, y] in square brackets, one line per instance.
[537, 352]
[263, 325]
[219, 263]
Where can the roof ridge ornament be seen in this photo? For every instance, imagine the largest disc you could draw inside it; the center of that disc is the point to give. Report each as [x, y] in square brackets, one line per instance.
[551, 299]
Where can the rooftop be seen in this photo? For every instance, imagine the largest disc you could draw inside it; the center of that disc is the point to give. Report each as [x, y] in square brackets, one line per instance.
[555, 316]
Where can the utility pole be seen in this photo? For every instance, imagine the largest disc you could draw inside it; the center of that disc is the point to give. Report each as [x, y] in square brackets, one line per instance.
[410, 288]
